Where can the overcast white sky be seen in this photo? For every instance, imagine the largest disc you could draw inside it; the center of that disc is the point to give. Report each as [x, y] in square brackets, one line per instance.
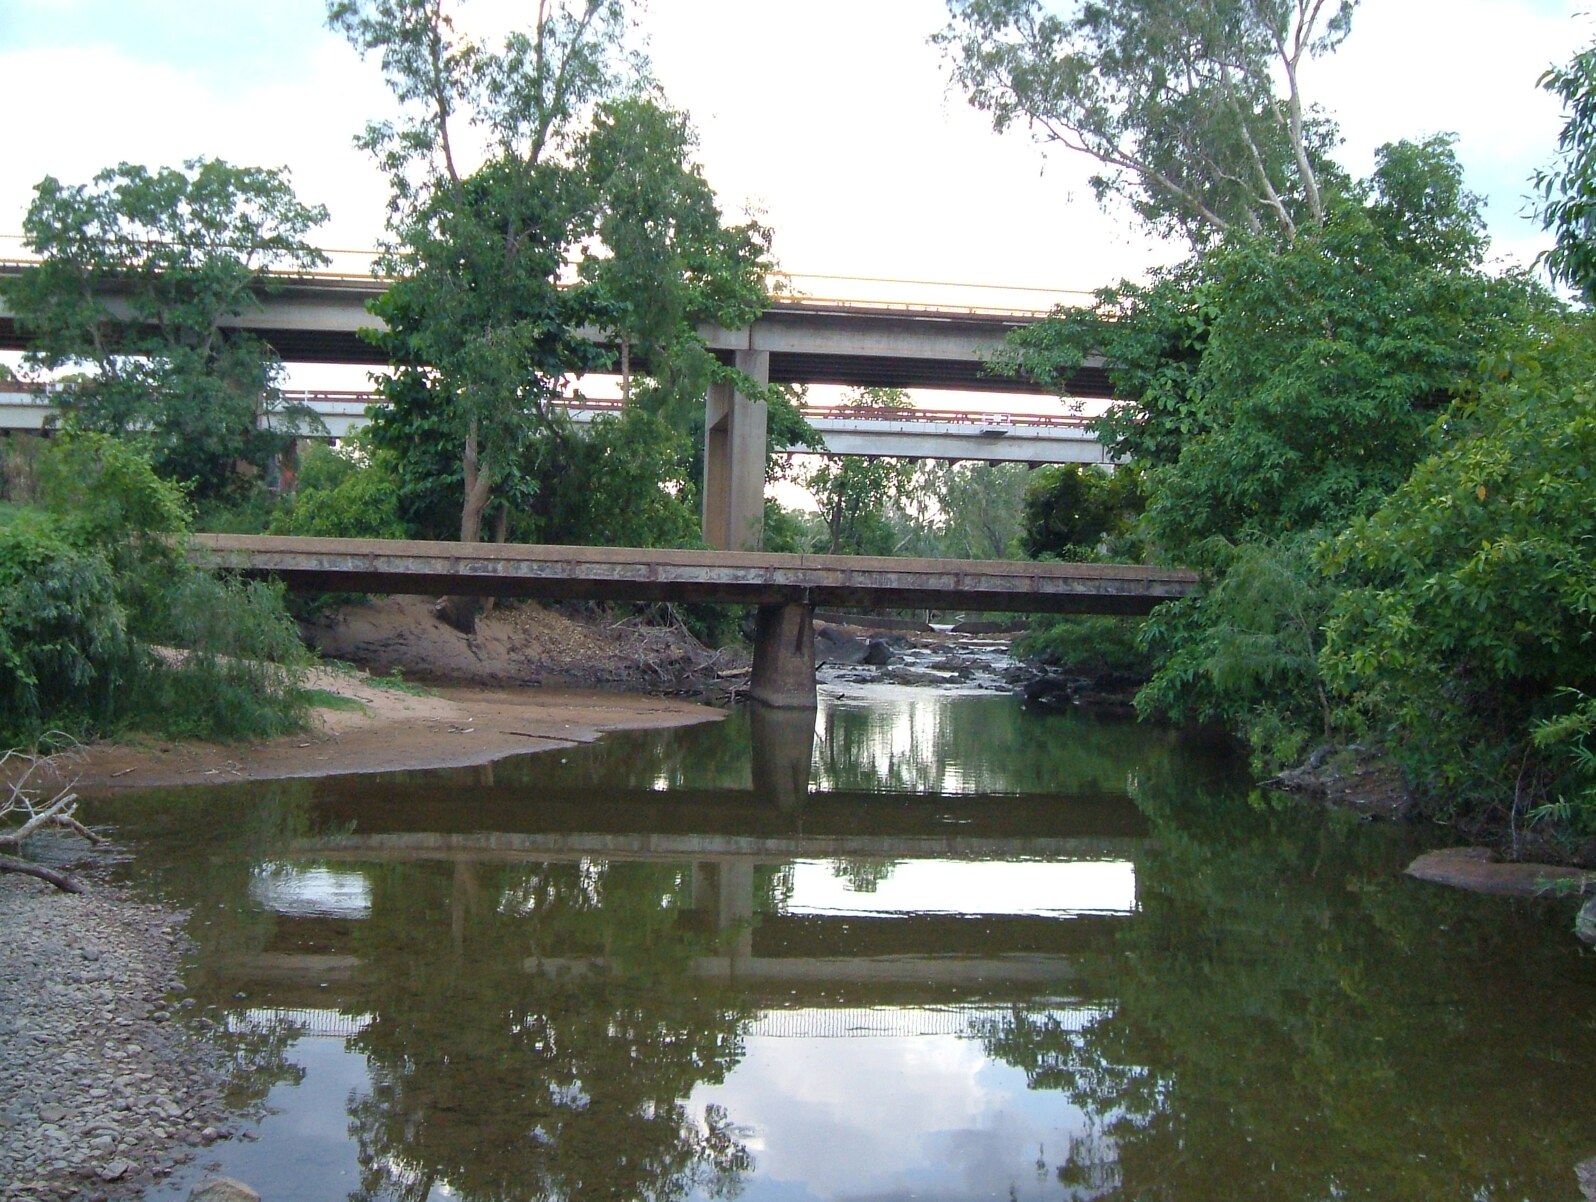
[832, 119]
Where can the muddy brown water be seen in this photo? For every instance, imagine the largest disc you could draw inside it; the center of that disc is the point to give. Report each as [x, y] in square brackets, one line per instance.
[925, 944]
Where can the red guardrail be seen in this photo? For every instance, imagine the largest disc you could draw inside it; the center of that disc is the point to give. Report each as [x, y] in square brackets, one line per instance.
[872, 413]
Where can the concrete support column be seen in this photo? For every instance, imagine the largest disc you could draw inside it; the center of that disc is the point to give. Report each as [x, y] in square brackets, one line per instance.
[784, 657]
[734, 460]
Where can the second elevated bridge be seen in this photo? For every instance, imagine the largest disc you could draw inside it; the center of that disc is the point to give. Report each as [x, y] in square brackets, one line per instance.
[917, 433]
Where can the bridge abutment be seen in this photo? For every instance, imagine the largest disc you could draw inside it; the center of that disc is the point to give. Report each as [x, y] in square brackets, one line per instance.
[734, 460]
[784, 657]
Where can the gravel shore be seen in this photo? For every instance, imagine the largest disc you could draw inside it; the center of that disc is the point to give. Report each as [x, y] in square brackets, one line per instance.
[106, 1089]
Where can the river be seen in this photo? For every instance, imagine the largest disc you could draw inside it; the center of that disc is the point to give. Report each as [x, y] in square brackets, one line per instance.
[925, 944]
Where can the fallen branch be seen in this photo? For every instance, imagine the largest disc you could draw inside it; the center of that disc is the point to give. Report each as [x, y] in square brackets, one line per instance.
[38, 803]
[59, 879]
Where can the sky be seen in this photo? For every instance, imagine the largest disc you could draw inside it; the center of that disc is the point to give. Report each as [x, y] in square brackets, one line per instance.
[832, 120]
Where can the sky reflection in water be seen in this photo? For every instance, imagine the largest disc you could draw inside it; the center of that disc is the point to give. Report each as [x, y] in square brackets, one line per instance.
[1120, 977]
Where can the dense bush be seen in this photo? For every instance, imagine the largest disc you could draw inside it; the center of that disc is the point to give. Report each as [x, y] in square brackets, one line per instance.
[343, 494]
[105, 626]
[1089, 645]
[1070, 511]
[1470, 626]
[65, 654]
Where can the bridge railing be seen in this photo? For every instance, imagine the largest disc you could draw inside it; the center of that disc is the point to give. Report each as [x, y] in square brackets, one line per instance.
[866, 413]
[871, 413]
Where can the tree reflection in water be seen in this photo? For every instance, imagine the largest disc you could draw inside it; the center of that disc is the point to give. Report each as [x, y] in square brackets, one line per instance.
[532, 1033]
[1295, 1020]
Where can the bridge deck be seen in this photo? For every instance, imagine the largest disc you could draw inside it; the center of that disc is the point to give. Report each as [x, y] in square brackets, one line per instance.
[630, 574]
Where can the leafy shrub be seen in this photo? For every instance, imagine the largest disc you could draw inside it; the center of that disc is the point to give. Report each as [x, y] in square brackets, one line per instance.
[1470, 622]
[105, 626]
[343, 495]
[1245, 651]
[64, 647]
[1087, 644]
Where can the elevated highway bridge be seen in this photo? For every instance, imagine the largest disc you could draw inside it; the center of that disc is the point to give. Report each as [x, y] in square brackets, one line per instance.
[918, 433]
[319, 318]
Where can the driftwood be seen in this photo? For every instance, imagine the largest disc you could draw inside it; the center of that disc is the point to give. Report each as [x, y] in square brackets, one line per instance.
[60, 880]
[34, 794]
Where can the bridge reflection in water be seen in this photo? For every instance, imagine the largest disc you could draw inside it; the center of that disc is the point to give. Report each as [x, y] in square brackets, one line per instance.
[655, 940]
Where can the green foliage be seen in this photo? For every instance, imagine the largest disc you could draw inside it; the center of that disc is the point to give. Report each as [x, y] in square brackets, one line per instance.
[1466, 615]
[786, 532]
[1069, 509]
[1093, 645]
[670, 261]
[108, 498]
[343, 494]
[1192, 107]
[64, 645]
[1324, 364]
[104, 626]
[964, 510]
[1244, 652]
[1567, 192]
[19, 457]
[1282, 393]
[233, 665]
[620, 486]
[139, 271]
[587, 166]
[1279, 390]
[853, 492]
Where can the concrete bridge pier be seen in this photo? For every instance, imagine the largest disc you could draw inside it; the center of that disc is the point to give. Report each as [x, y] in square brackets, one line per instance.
[784, 657]
[734, 460]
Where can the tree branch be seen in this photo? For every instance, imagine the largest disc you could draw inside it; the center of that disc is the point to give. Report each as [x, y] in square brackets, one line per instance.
[60, 880]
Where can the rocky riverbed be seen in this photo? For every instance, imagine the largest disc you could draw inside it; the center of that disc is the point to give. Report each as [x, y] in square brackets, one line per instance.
[108, 1087]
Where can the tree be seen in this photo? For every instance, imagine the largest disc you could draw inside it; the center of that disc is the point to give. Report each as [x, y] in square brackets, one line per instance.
[1277, 393]
[853, 491]
[1568, 190]
[141, 270]
[480, 332]
[1278, 389]
[1194, 108]
[106, 626]
[971, 510]
[668, 261]
[587, 214]
[1068, 510]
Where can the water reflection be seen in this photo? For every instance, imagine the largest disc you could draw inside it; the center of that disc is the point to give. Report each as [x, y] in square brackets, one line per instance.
[966, 951]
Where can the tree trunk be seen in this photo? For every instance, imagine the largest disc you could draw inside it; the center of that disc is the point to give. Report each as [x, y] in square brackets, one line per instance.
[461, 612]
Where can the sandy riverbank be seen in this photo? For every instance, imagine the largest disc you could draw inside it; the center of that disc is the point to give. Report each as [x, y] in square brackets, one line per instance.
[391, 730]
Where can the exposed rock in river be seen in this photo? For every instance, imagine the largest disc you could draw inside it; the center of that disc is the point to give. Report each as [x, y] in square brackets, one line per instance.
[1585, 928]
[1478, 868]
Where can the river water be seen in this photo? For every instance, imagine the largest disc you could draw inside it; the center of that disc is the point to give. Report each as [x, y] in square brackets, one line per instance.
[927, 944]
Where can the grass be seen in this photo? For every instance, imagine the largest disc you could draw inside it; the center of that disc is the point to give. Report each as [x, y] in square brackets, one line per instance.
[323, 699]
[394, 682]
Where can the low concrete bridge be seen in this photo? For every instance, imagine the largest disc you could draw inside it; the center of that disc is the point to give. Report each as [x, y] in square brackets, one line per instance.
[785, 588]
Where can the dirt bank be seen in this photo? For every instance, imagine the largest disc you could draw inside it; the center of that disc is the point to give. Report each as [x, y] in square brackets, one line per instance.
[529, 679]
[390, 731]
